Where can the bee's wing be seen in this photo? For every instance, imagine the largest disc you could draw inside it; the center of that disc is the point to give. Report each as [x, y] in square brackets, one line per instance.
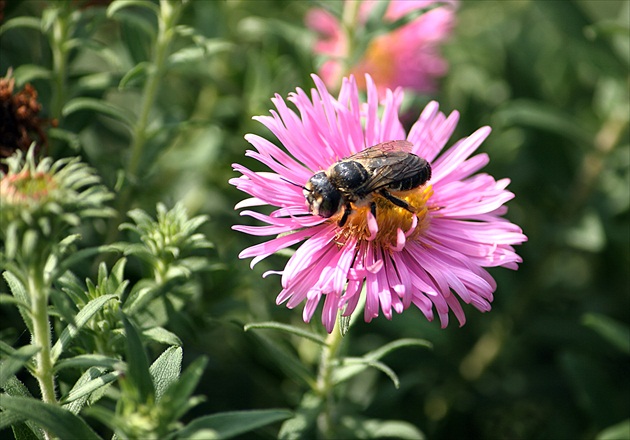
[387, 163]
[379, 150]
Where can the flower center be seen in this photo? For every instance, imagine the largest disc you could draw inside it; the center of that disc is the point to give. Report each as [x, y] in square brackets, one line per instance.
[25, 187]
[394, 225]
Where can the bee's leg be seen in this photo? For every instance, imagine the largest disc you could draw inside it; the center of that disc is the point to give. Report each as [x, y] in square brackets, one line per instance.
[373, 208]
[346, 213]
[395, 200]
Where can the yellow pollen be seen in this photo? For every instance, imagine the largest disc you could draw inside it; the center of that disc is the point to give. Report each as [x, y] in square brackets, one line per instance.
[389, 218]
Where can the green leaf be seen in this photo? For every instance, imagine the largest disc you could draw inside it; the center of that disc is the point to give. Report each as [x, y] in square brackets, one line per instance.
[302, 423]
[353, 366]
[67, 136]
[27, 430]
[19, 292]
[13, 387]
[176, 398]
[84, 315]
[107, 108]
[166, 369]
[272, 325]
[286, 361]
[619, 431]
[377, 429]
[87, 361]
[394, 345]
[21, 22]
[63, 306]
[120, 4]
[83, 388]
[60, 422]
[134, 74]
[612, 331]
[229, 424]
[137, 362]
[29, 72]
[8, 299]
[22, 431]
[15, 362]
[162, 336]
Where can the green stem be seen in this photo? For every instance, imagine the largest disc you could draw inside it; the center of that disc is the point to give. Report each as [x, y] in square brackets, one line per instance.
[169, 14]
[325, 385]
[42, 335]
[58, 45]
[167, 20]
[349, 22]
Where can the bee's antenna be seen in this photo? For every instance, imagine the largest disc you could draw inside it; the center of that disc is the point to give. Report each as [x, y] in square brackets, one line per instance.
[294, 184]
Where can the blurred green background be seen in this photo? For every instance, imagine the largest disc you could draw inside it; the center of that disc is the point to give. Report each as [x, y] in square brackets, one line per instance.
[550, 361]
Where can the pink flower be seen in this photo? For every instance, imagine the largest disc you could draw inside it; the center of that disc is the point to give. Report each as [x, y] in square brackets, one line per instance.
[406, 57]
[432, 258]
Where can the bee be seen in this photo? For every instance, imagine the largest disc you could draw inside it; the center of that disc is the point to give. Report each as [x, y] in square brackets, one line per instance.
[354, 180]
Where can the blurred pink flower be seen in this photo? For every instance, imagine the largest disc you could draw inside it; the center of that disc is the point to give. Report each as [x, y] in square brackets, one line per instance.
[432, 258]
[406, 57]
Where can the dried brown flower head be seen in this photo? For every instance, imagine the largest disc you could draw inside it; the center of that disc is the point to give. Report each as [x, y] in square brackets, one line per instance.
[20, 124]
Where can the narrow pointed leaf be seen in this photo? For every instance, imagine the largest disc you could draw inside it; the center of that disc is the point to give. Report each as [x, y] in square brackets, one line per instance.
[615, 432]
[135, 73]
[612, 331]
[394, 345]
[302, 424]
[358, 427]
[80, 319]
[15, 361]
[96, 105]
[162, 336]
[166, 369]
[229, 424]
[286, 361]
[19, 292]
[120, 4]
[85, 389]
[60, 422]
[179, 393]
[21, 22]
[271, 325]
[354, 366]
[87, 361]
[137, 362]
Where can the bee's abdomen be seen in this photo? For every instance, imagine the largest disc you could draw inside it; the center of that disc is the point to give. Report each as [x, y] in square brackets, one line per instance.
[418, 178]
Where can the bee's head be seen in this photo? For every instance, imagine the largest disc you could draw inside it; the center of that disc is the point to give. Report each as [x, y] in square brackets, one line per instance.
[322, 197]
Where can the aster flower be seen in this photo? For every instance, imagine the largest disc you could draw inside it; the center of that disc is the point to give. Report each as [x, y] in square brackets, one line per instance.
[433, 258]
[405, 57]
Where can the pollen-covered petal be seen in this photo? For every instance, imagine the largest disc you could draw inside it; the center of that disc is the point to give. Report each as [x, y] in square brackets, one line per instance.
[372, 226]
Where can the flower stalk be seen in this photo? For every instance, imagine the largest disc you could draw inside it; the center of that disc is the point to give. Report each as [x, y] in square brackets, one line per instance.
[59, 48]
[167, 20]
[39, 292]
[325, 383]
